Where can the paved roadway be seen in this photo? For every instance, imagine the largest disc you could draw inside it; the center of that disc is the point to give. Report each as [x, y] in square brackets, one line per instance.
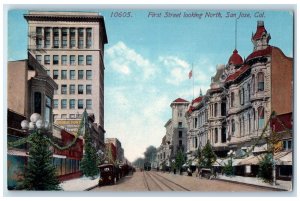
[158, 181]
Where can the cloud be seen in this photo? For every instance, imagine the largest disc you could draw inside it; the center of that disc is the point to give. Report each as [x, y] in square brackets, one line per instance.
[126, 61]
[177, 69]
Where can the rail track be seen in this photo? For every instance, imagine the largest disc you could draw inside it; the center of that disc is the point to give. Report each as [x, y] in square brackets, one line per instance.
[156, 182]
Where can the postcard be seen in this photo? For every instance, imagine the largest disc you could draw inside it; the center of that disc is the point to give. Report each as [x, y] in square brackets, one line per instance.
[138, 100]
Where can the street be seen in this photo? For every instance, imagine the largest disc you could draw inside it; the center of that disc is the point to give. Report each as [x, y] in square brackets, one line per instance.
[159, 181]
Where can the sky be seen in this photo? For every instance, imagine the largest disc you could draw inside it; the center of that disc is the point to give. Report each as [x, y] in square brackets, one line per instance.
[147, 61]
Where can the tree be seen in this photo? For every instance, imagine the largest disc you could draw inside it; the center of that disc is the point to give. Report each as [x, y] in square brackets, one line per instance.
[265, 167]
[180, 159]
[150, 154]
[90, 161]
[228, 168]
[40, 173]
[139, 162]
[208, 157]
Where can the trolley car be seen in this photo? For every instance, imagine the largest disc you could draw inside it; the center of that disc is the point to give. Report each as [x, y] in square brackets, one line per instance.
[147, 166]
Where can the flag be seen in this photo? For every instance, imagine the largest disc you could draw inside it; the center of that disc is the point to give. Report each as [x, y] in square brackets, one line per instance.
[190, 74]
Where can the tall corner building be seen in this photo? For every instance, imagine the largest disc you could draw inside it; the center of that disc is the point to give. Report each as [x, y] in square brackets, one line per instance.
[70, 45]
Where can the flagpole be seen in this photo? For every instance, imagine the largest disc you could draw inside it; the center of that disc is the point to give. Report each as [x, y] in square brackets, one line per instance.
[193, 79]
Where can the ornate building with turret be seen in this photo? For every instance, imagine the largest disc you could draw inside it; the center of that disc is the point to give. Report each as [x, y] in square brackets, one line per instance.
[242, 96]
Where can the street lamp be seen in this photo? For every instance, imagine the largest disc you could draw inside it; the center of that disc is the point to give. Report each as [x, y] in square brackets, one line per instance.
[36, 122]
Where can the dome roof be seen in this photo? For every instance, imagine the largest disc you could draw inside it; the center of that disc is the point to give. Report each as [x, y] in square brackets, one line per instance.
[235, 59]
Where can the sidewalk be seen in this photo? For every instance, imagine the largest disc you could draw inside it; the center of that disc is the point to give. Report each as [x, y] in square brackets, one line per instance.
[79, 184]
[280, 184]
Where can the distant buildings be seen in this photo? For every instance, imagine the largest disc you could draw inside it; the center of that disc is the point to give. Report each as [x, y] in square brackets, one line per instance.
[119, 150]
[175, 138]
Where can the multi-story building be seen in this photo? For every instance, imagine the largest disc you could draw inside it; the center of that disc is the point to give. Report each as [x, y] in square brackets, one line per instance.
[175, 138]
[70, 45]
[119, 150]
[242, 96]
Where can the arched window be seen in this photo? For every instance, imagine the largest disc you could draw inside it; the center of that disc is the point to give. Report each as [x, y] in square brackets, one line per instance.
[253, 84]
[232, 126]
[196, 142]
[232, 99]
[261, 117]
[260, 81]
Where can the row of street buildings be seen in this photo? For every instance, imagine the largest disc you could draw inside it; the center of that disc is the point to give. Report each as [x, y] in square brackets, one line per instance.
[235, 110]
[62, 76]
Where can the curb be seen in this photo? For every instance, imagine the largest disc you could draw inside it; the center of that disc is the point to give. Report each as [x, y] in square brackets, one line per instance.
[91, 188]
[265, 187]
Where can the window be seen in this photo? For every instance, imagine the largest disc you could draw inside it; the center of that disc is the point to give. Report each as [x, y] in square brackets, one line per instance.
[72, 37]
[232, 99]
[232, 126]
[48, 72]
[179, 134]
[260, 77]
[37, 102]
[216, 109]
[39, 58]
[88, 74]
[64, 59]
[80, 89]
[253, 84]
[72, 103]
[88, 104]
[216, 135]
[47, 59]
[180, 142]
[249, 124]
[261, 117]
[72, 74]
[47, 37]
[48, 109]
[89, 60]
[63, 89]
[72, 60]
[55, 116]
[80, 59]
[55, 74]
[63, 105]
[196, 142]
[195, 122]
[63, 116]
[243, 96]
[72, 116]
[223, 108]
[56, 38]
[55, 103]
[80, 75]
[64, 74]
[179, 113]
[88, 89]
[64, 37]
[80, 104]
[80, 38]
[39, 37]
[89, 37]
[55, 59]
[287, 145]
[248, 89]
[179, 124]
[72, 89]
[254, 121]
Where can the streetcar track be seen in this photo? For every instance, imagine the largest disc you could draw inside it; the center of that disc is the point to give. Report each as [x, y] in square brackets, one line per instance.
[182, 187]
[153, 176]
[146, 182]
